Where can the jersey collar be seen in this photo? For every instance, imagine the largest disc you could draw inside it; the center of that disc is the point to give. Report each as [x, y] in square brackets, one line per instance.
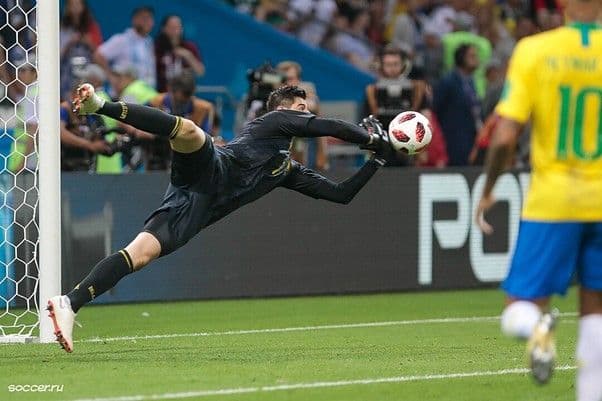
[585, 28]
[585, 25]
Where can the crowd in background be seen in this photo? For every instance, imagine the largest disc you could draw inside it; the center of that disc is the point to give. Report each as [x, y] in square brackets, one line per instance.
[131, 66]
[446, 58]
[454, 53]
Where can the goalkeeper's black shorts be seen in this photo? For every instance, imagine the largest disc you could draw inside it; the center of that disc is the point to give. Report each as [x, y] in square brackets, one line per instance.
[187, 204]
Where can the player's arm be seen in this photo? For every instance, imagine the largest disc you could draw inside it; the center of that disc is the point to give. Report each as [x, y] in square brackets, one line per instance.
[310, 183]
[307, 125]
[514, 109]
[499, 157]
[370, 134]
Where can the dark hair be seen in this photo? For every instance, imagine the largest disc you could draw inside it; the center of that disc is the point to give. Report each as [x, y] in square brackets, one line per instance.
[185, 83]
[84, 22]
[460, 54]
[284, 95]
[162, 42]
[391, 50]
[143, 9]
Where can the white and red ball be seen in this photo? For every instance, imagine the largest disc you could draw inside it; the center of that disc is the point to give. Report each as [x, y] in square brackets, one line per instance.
[410, 132]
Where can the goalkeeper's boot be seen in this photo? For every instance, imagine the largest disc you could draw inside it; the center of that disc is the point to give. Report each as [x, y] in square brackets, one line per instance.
[63, 318]
[542, 347]
[87, 101]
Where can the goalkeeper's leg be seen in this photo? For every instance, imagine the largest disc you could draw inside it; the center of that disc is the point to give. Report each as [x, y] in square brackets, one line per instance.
[184, 136]
[62, 308]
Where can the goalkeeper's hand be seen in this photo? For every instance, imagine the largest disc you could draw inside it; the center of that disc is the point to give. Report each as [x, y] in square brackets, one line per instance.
[379, 139]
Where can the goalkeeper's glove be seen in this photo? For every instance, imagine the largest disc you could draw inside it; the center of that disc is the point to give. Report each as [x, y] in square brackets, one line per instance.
[379, 139]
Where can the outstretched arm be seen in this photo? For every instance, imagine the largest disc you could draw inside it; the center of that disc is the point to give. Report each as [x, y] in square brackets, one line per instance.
[302, 124]
[310, 183]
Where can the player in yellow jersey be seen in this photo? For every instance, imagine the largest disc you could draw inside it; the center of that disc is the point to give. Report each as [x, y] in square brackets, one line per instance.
[555, 80]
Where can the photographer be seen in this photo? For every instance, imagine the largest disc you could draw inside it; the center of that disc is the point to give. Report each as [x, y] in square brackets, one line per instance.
[395, 90]
[262, 81]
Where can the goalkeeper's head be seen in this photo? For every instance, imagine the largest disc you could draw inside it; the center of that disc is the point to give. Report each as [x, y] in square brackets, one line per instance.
[287, 97]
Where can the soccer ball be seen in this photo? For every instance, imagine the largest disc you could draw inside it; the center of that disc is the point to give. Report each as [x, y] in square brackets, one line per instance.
[410, 132]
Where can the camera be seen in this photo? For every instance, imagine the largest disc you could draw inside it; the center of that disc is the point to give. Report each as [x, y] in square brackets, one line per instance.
[262, 81]
[122, 142]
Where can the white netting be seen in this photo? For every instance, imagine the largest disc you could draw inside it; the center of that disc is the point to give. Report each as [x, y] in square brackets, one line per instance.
[18, 170]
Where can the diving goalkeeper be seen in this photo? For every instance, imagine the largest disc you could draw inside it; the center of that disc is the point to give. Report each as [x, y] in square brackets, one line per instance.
[208, 182]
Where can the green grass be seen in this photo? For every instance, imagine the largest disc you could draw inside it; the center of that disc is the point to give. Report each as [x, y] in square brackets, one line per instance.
[146, 366]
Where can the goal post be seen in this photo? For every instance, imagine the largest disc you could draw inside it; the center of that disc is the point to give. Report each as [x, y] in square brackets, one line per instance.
[30, 191]
[49, 205]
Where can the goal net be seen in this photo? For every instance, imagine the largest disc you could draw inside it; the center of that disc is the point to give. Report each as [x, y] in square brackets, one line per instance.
[22, 204]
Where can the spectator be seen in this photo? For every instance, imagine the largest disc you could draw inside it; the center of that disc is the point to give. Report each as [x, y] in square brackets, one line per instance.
[453, 40]
[22, 152]
[80, 36]
[407, 27]
[244, 6]
[18, 30]
[494, 73]
[80, 139]
[273, 12]
[394, 92]
[310, 19]
[133, 47]
[18, 37]
[524, 27]
[376, 30]
[310, 151]
[179, 101]
[5, 77]
[128, 87]
[444, 18]
[432, 55]
[354, 45]
[174, 55]
[511, 11]
[548, 13]
[456, 106]
[492, 27]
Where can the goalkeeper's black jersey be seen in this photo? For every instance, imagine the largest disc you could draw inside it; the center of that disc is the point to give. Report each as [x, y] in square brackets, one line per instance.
[212, 182]
[258, 160]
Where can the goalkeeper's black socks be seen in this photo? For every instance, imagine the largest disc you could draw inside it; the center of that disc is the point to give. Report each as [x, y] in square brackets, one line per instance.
[103, 277]
[144, 118]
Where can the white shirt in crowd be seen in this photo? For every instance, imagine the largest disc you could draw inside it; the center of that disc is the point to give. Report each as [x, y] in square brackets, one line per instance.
[129, 48]
[322, 11]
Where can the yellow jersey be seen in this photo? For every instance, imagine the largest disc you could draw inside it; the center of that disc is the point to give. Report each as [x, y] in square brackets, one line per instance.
[555, 79]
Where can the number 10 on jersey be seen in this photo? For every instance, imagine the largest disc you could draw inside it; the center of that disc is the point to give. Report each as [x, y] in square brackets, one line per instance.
[574, 124]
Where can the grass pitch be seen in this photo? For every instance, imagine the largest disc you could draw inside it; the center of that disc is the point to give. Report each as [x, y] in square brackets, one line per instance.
[413, 346]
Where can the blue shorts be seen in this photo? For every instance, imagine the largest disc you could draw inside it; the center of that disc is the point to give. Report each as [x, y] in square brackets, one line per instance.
[549, 255]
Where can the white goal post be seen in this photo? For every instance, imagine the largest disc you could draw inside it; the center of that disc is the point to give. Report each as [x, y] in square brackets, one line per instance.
[30, 194]
[49, 205]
